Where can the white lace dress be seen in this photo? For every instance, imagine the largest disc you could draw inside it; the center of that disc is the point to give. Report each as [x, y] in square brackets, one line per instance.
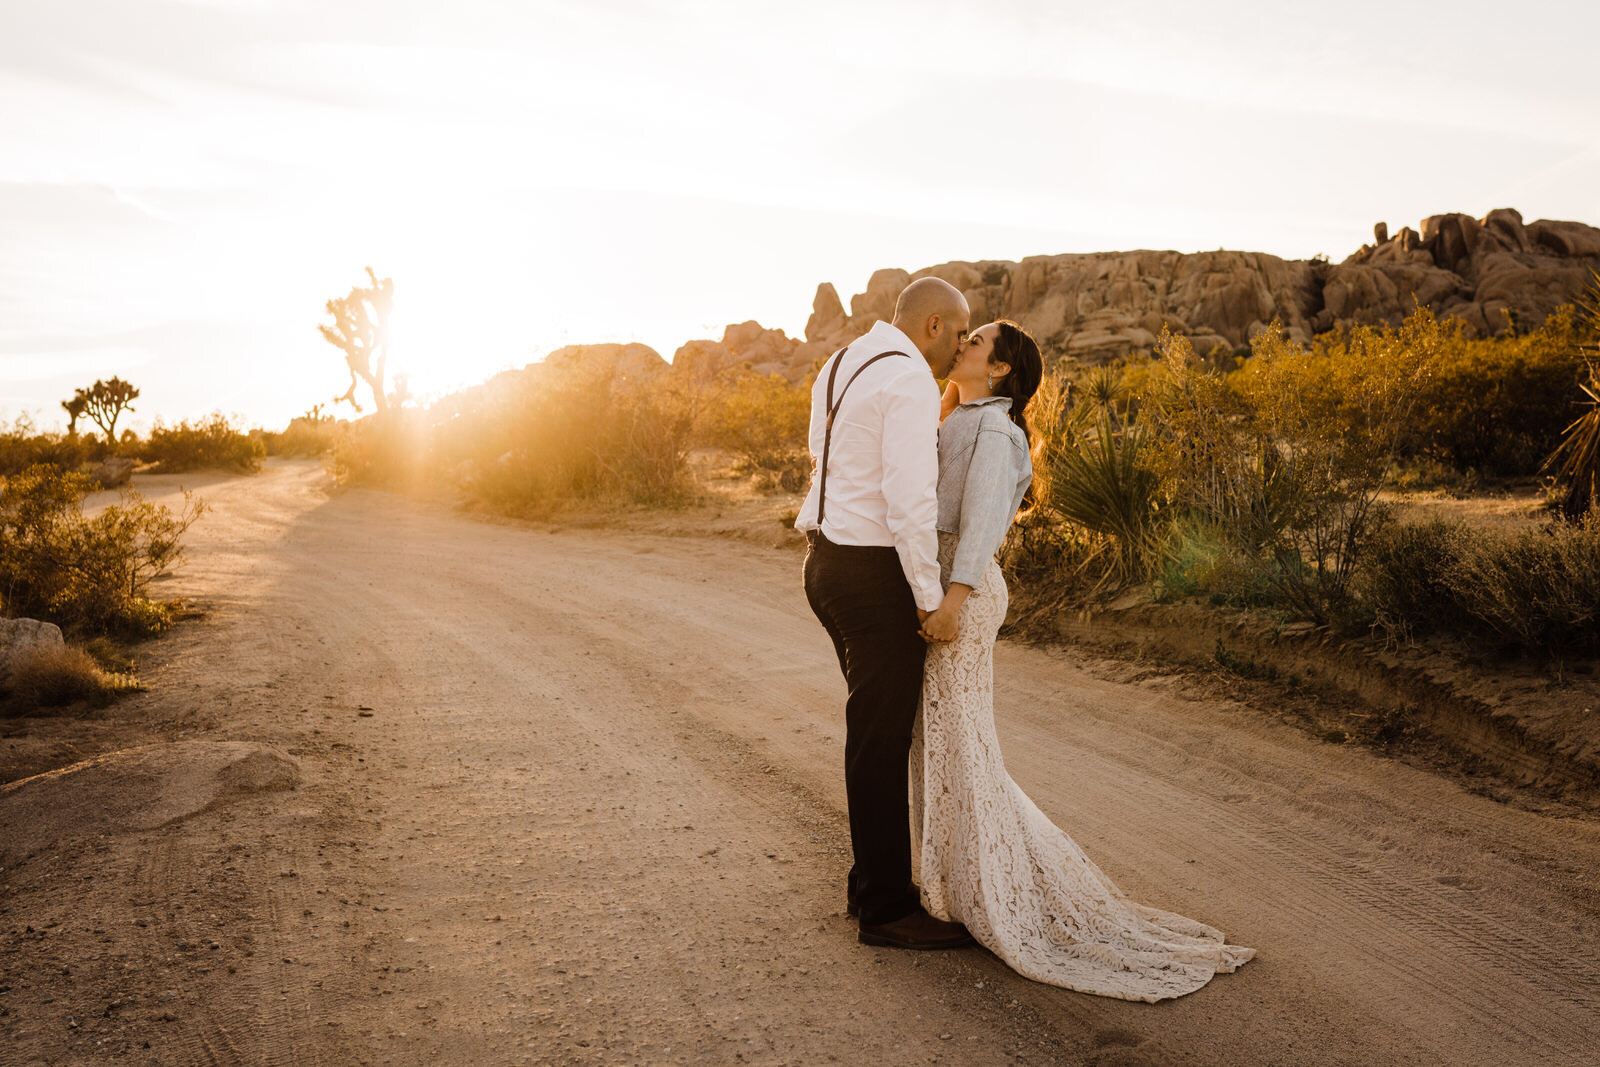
[992, 860]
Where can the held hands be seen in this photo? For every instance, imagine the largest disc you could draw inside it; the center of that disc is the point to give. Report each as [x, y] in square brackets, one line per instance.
[940, 627]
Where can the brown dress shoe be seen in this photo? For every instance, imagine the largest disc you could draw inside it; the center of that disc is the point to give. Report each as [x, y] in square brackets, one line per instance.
[919, 930]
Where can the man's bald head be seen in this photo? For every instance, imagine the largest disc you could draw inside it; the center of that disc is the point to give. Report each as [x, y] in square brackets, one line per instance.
[934, 314]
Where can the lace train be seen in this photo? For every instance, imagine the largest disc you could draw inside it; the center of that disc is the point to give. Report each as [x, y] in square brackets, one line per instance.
[992, 860]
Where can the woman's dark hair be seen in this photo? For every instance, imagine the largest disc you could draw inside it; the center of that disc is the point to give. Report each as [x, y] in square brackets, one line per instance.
[1016, 347]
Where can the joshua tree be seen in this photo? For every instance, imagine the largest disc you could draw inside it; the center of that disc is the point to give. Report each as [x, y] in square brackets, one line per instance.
[75, 409]
[361, 331]
[103, 402]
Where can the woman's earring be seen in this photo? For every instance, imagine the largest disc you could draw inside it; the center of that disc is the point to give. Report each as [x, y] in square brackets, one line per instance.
[991, 381]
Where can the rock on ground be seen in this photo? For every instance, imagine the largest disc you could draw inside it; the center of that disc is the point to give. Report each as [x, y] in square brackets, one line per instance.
[24, 635]
[134, 789]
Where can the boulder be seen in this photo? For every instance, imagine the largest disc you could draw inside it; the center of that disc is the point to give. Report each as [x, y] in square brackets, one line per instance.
[19, 636]
[828, 319]
[703, 360]
[1504, 227]
[877, 303]
[1451, 238]
[1564, 238]
[112, 472]
[607, 361]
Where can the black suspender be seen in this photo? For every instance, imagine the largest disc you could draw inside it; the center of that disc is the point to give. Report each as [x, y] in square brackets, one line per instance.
[833, 409]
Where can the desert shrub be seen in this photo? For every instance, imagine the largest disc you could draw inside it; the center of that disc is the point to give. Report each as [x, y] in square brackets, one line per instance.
[1495, 405]
[597, 443]
[541, 439]
[211, 442]
[87, 574]
[306, 437]
[762, 419]
[1288, 463]
[53, 677]
[384, 452]
[1538, 589]
[1220, 469]
[1406, 578]
[23, 446]
[1499, 404]
[1196, 562]
[1533, 590]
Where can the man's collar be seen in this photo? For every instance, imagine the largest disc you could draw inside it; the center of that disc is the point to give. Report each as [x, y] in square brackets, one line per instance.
[893, 337]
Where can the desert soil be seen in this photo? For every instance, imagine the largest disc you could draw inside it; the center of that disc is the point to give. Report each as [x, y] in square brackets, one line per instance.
[573, 795]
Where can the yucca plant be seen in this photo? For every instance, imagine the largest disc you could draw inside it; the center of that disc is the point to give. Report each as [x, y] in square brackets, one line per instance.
[1576, 461]
[1099, 481]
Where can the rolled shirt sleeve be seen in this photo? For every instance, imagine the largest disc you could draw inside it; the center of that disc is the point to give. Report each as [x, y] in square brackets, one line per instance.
[987, 504]
[911, 482]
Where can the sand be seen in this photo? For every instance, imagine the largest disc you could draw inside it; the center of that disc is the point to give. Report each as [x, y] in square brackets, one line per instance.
[570, 795]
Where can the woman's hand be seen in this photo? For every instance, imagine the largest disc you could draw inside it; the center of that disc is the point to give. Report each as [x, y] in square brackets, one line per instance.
[941, 625]
[944, 622]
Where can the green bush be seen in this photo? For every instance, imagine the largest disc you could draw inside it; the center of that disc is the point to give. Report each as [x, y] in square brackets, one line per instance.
[87, 574]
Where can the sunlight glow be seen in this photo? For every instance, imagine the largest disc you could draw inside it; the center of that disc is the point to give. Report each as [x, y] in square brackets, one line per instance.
[188, 184]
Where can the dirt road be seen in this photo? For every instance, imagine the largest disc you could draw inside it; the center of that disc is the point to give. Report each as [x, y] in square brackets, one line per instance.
[575, 797]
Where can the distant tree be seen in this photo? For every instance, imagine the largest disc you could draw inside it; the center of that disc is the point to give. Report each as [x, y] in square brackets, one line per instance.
[75, 409]
[104, 402]
[361, 331]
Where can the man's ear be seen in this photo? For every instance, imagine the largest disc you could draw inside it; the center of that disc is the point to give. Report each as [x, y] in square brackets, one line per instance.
[934, 325]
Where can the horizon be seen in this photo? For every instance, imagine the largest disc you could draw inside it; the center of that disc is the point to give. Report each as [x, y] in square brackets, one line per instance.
[190, 182]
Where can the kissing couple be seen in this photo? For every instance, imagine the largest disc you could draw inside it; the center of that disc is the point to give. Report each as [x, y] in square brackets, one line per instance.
[911, 496]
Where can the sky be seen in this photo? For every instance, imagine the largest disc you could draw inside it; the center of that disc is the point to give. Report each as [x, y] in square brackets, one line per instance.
[185, 183]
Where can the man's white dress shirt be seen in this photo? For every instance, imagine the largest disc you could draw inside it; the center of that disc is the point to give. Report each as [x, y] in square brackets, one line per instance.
[883, 461]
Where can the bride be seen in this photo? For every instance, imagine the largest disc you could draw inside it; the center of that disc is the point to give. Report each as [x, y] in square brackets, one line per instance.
[989, 857]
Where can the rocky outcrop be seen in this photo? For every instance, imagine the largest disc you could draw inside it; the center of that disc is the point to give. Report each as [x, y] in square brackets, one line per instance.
[1495, 274]
[611, 360]
[753, 347]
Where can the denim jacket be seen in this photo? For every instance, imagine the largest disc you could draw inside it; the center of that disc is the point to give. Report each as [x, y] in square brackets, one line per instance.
[984, 470]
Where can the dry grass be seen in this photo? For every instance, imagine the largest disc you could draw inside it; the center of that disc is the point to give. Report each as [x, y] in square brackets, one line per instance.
[57, 677]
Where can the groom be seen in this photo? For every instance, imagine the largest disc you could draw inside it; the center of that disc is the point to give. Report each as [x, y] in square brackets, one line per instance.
[872, 574]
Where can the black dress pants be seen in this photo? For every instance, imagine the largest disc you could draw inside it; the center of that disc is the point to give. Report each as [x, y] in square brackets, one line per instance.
[861, 596]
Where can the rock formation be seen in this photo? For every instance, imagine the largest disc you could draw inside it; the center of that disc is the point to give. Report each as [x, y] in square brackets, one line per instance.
[1495, 274]
[750, 345]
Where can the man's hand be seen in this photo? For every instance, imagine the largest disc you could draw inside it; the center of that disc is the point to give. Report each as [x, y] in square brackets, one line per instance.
[921, 615]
